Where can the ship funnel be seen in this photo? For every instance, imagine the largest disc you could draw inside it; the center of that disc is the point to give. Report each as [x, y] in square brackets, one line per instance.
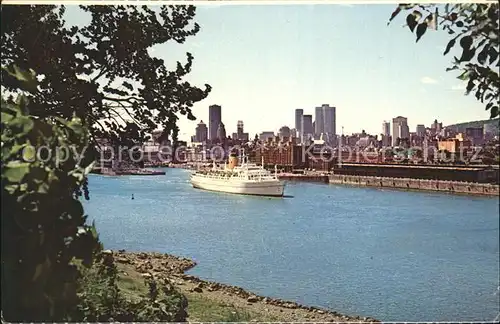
[233, 161]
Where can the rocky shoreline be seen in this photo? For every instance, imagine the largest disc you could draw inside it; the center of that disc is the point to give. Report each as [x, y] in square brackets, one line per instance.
[172, 268]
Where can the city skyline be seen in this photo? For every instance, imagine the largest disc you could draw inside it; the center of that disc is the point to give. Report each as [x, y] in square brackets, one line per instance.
[300, 56]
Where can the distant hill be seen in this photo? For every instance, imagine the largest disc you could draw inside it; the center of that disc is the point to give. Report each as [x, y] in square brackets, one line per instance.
[491, 123]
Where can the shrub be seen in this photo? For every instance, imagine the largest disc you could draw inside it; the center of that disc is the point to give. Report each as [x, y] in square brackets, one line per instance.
[53, 267]
[101, 300]
[44, 229]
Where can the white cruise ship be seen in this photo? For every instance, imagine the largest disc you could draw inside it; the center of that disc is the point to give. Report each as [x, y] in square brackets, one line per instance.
[245, 179]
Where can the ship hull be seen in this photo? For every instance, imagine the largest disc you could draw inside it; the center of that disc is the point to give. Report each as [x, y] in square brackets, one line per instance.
[258, 188]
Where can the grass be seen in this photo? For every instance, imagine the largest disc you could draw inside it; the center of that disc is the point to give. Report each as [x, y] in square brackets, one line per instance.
[200, 307]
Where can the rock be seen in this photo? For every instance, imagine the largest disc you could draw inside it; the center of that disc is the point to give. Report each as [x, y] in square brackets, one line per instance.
[121, 251]
[252, 299]
[125, 274]
[122, 260]
[319, 311]
[266, 300]
[197, 289]
[146, 275]
[107, 252]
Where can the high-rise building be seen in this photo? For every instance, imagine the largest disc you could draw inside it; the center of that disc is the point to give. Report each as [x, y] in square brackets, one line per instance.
[319, 122]
[221, 132]
[307, 128]
[329, 121]
[214, 120]
[420, 130]
[239, 128]
[436, 127]
[298, 121]
[400, 129]
[386, 128]
[201, 132]
[240, 134]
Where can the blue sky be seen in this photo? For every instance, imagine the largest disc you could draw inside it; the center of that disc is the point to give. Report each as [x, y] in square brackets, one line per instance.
[263, 61]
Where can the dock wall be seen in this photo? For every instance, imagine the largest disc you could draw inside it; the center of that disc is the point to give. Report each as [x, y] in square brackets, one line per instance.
[302, 177]
[458, 187]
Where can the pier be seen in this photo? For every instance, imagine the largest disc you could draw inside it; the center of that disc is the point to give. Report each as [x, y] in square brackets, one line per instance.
[458, 187]
[304, 177]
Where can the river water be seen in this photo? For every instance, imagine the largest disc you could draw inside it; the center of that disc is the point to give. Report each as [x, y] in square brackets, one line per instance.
[391, 255]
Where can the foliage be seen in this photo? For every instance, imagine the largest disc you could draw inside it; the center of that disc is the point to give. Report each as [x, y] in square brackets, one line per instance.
[44, 231]
[474, 27]
[101, 299]
[103, 72]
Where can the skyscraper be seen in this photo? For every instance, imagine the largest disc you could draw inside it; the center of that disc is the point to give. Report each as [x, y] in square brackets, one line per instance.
[319, 122]
[386, 128]
[420, 130]
[307, 128]
[214, 119]
[298, 121]
[221, 132]
[399, 129]
[239, 128]
[329, 120]
[201, 132]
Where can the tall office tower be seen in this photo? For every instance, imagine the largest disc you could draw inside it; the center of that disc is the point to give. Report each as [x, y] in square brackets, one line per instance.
[298, 121]
[386, 128]
[201, 132]
[221, 132]
[329, 120]
[399, 129]
[239, 129]
[319, 122]
[307, 128]
[214, 119]
[420, 130]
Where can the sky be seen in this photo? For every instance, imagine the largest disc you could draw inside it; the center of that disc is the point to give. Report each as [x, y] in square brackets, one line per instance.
[264, 61]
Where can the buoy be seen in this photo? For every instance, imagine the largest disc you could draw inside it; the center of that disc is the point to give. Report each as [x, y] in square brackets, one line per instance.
[132, 196]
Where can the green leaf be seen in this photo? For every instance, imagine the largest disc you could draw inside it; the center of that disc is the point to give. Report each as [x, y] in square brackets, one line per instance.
[493, 53]
[482, 56]
[466, 42]
[421, 30]
[22, 125]
[451, 43]
[26, 78]
[29, 153]
[470, 86]
[494, 112]
[15, 171]
[43, 188]
[467, 55]
[6, 117]
[128, 85]
[394, 14]
[412, 23]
